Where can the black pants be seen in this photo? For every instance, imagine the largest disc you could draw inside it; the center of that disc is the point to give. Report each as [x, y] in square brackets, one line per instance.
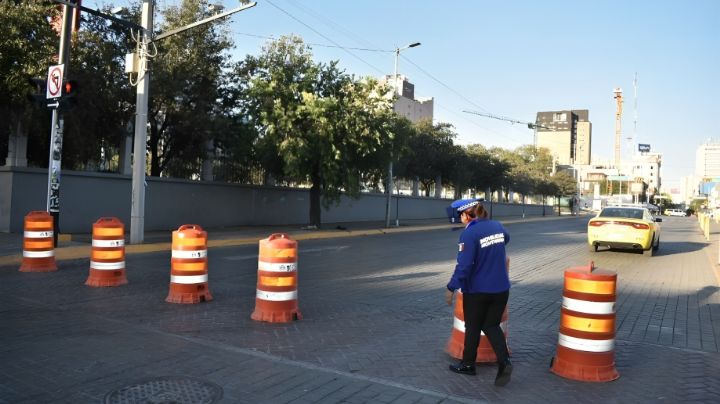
[483, 311]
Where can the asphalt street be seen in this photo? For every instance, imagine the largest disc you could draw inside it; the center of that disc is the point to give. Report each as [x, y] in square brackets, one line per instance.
[374, 325]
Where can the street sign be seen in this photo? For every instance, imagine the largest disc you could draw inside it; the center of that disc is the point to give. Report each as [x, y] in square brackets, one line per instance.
[636, 187]
[643, 148]
[54, 81]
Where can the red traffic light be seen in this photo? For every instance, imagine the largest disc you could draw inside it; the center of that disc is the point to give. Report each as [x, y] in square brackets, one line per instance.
[69, 87]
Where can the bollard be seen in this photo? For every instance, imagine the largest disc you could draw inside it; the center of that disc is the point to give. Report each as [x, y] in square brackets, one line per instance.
[706, 228]
[276, 298]
[456, 343]
[188, 266]
[38, 244]
[586, 341]
[107, 258]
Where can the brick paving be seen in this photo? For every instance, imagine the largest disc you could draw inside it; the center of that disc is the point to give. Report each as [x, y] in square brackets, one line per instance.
[374, 328]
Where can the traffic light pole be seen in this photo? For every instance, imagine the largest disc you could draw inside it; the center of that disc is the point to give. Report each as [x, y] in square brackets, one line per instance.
[56, 131]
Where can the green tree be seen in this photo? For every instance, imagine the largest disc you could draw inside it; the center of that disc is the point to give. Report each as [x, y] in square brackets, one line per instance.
[565, 185]
[318, 125]
[26, 50]
[187, 77]
[546, 187]
[430, 154]
[105, 106]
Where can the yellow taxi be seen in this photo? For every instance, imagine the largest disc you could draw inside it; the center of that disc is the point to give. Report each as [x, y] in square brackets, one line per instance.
[625, 227]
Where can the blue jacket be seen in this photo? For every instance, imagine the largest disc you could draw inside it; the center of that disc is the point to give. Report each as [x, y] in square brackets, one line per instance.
[481, 266]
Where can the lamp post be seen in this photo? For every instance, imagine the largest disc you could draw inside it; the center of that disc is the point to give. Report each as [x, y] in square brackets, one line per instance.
[390, 166]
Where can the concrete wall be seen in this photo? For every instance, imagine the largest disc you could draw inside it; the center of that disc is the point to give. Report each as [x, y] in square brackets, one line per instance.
[85, 197]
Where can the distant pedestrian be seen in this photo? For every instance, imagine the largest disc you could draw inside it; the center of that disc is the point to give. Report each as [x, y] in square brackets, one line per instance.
[481, 274]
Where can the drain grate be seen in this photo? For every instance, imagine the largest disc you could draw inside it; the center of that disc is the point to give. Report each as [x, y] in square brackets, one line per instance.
[167, 390]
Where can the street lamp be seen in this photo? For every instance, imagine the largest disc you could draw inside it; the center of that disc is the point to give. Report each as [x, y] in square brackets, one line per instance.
[390, 166]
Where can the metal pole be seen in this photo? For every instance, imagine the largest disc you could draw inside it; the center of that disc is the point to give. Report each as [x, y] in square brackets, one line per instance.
[397, 210]
[390, 166]
[137, 214]
[56, 131]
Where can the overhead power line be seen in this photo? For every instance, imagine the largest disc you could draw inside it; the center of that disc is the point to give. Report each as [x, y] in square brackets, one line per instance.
[273, 38]
[443, 84]
[324, 36]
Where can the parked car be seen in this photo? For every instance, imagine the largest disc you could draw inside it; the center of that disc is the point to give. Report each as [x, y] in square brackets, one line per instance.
[622, 227]
[675, 212]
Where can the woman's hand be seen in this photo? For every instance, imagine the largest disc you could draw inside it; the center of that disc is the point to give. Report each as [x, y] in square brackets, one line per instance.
[449, 296]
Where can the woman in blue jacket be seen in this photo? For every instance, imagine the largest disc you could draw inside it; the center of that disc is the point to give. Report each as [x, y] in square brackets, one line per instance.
[481, 274]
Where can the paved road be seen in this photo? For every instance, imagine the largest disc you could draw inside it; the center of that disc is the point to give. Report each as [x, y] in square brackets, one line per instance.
[374, 327]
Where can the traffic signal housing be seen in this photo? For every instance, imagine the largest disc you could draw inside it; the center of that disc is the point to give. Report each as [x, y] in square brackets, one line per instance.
[37, 94]
[68, 98]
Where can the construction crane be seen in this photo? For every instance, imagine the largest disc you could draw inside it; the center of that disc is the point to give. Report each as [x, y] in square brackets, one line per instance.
[531, 125]
[618, 96]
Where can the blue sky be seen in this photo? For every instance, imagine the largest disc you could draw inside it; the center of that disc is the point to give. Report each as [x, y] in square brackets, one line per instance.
[515, 58]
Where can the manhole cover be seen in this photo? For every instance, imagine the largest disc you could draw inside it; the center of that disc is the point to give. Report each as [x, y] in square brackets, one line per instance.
[167, 390]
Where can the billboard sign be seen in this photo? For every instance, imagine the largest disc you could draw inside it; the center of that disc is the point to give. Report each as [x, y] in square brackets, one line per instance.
[643, 148]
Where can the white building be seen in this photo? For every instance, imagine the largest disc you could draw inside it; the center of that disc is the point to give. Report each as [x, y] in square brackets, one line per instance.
[707, 160]
[647, 166]
[414, 109]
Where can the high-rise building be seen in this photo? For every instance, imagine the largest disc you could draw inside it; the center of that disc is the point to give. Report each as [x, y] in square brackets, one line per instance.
[567, 134]
[707, 161]
[414, 109]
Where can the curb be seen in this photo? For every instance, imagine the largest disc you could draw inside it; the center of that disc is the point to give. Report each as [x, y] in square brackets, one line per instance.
[80, 252]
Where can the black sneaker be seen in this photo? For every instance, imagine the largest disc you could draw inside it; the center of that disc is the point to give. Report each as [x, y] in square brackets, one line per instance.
[463, 369]
[504, 371]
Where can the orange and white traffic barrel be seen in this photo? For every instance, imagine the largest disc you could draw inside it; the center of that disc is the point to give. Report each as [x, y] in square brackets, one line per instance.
[188, 266]
[38, 243]
[586, 344]
[456, 343]
[107, 258]
[276, 298]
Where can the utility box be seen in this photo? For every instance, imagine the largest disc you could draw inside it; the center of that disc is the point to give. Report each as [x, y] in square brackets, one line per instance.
[131, 63]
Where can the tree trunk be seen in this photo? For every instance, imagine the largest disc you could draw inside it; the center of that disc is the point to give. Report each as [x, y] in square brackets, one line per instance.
[315, 211]
[438, 186]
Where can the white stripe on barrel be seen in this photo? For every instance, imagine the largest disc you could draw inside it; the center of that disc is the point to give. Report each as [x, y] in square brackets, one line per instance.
[188, 279]
[276, 296]
[583, 306]
[587, 345]
[107, 266]
[277, 267]
[38, 234]
[108, 243]
[189, 254]
[38, 254]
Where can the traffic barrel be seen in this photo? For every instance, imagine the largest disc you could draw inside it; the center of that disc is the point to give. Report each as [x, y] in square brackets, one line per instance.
[107, 258]
[586, 344]
[38, 243]
[188, 266]
[456, 343]
[276, 298]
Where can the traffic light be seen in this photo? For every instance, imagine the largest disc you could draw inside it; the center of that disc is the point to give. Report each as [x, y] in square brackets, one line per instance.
[69, 90]
[37, 95]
